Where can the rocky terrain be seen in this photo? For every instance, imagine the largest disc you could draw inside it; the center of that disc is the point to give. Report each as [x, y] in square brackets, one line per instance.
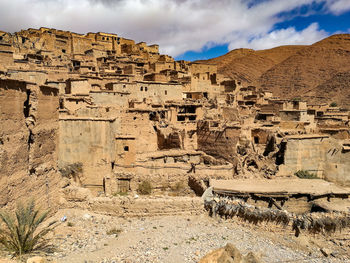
[290, 71]
[89, 237]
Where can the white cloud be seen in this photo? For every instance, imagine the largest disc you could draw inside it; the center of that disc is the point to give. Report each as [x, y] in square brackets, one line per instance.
[338, 6]
[288, 36]
[176, 25]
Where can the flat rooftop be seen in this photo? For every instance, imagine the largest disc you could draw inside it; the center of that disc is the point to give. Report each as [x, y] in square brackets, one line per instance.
[288, 186]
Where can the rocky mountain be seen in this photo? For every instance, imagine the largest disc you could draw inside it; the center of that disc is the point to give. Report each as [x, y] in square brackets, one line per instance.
[247, 65]
[318, 72]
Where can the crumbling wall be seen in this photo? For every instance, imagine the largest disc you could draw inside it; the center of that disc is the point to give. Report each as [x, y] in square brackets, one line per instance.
[220, 143]
[28, 132]
[14, 137]
[337, 165]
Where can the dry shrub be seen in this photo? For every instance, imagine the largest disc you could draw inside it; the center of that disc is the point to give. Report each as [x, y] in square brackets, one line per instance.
[179, 186]
[305, 175]
[71, 170]
[145, 188]
[114, 232]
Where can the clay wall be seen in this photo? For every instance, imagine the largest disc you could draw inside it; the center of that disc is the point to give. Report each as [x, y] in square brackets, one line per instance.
[74, 103]
[28, 141]
[110, 98]
[38, 77]
[153, 49]
[63, 42]
[81, 44]
[136, 123]
[295, 115]
[305, 153]
[156, 77]
[157, 92]
[337, 165]
[78, 87]
[14, 136]
[205, 85]
[321, 155]
[203, 68]
[89, 141]
[6, 59]
[160, 66]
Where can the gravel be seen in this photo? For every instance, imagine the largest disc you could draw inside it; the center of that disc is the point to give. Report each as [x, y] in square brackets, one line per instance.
[89, 237]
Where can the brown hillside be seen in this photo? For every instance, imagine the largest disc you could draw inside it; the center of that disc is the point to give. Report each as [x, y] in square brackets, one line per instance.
[335, 89]
[303, 71]
[248, 65]
[313, 72]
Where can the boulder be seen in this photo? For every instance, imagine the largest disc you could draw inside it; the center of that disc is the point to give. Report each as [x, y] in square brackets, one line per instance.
[229, 254]
[251, 258]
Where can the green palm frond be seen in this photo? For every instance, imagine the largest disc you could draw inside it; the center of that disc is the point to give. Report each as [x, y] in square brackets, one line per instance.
[19, 232]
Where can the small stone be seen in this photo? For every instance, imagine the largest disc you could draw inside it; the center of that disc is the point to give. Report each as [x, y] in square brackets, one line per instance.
[36, 259]
[86, 216]
[325, 251]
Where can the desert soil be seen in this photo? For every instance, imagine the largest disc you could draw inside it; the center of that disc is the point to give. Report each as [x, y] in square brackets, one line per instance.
[89, 237]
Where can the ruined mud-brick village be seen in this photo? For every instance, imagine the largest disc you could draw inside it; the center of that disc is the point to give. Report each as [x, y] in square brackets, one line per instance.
[229, 143]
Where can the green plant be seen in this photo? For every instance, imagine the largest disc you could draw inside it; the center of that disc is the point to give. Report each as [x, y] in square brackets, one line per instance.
[71, 170]
[296, 99]
[305, 174]
[70, 224]
[19, 234]
[333, 104]
[165, 248]
[114, 231]
[145, 188]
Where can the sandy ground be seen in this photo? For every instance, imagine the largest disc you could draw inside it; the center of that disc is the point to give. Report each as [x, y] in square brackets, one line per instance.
[89, 237]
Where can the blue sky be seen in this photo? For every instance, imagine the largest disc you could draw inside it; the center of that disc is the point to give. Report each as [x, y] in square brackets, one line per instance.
[187, 29]
[329, 22]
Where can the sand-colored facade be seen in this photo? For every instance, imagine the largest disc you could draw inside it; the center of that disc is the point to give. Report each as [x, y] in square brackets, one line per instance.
[128, 114]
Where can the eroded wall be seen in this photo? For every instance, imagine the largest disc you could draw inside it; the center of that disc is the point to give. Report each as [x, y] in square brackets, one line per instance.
[28, 140]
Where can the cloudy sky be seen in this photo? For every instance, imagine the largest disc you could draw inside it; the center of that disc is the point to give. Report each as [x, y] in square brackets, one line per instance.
[187, 29]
